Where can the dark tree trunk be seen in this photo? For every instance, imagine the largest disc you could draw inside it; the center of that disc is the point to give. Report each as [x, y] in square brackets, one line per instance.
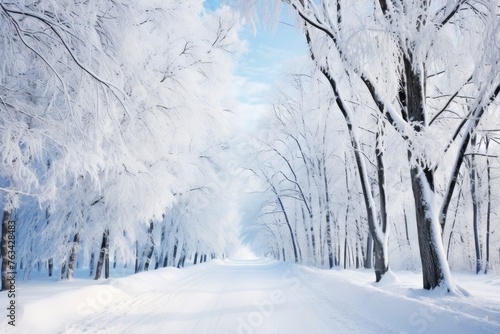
[5, 251]
[182, 260]
[345, 246]
[327, 214]
[150, 247]
[63, 269]
[165, 261]
[406, 226]
[91, 264]
[432, 266]
[306, 231]
[298, 243]
[51, 266]
[289, 227]
[161, 259]
[103, 255]
[195, 258]
[488, 213]
[72, 256]
[313, 240]
[106, 265]
[432, 255]
[336, 256]
[329, 242]
[136, 268]
[381, 264]
[174, 253]
[358, 262]
[475, 204]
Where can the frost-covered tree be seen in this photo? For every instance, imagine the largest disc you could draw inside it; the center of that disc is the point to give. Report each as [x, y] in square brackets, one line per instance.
[307, 162]
[398, 55]
[54, 57]
[109, 107]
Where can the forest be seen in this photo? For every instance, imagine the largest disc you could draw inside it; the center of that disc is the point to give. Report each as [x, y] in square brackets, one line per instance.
[121, 145]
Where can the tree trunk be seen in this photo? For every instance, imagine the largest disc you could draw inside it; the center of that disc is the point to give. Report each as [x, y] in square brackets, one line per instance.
[63, 269]
[345, 245]
[160, 260]
[306, 231]
[289, 226]
[358, 262]
[360, 247]
[182, 259]
[51, 266]
[298, 243]
[6, 266]
[435, 269]
[381, 264]
[453, 224]
[72, 256]
[149, 248]
[136, 268]
[327, 213]
[432, 256]
[329, 242]
[369, 252]
[406, 227]
[165, 261]
[475, 204]
[91, 264]
[488, 212]
[102, 255]
[195, 258]
[174, 253]
[106, 263]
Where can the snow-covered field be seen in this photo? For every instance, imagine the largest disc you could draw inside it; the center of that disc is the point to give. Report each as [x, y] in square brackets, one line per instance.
[254, 296]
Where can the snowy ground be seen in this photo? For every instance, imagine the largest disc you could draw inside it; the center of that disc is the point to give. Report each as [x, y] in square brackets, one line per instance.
[253, 296]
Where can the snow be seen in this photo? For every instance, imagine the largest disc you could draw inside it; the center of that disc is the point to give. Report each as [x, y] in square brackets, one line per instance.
[254, 295]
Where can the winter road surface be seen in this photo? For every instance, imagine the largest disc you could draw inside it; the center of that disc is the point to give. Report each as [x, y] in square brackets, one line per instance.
[257, 296]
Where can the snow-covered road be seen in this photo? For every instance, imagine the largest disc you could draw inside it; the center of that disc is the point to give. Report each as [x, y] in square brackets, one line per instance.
[233, 296]
[255, 296]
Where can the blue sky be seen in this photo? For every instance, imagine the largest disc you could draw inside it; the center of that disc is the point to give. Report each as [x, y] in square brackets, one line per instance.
[268, 53]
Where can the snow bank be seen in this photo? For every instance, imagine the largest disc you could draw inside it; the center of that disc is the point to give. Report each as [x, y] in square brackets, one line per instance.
[75, 300]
